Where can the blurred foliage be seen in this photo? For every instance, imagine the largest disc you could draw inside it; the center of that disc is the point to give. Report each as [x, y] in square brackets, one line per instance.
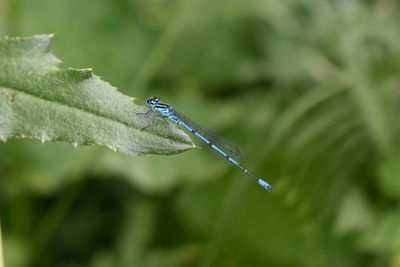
[308, 88]
[39, 100]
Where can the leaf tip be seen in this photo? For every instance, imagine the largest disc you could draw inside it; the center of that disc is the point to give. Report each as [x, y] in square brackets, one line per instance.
[41, 41]
[36, 46]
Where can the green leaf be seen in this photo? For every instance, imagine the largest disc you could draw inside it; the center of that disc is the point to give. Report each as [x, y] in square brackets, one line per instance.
[39, 100]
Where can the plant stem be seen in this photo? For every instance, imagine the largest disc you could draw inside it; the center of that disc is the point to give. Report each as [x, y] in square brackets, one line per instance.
[160, 51]
[1, 249]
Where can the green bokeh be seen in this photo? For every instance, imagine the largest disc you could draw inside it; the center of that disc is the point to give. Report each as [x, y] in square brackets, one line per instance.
[308, 89]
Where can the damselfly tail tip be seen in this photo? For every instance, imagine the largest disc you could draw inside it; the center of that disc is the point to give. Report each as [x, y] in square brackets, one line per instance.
[266, 185]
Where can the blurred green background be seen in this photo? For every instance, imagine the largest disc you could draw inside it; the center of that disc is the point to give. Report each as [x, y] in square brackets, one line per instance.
[309, 89]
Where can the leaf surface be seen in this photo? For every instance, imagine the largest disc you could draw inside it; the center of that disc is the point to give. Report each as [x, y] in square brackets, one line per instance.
[40, 100]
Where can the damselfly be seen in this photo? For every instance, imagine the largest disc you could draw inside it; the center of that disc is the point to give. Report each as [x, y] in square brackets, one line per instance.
[229, 151]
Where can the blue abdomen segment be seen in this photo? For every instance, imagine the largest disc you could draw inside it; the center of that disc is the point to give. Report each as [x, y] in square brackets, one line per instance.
[229, 151]
[265, 185]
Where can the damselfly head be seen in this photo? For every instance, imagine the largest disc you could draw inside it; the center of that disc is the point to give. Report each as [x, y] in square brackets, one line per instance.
[152, 101]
